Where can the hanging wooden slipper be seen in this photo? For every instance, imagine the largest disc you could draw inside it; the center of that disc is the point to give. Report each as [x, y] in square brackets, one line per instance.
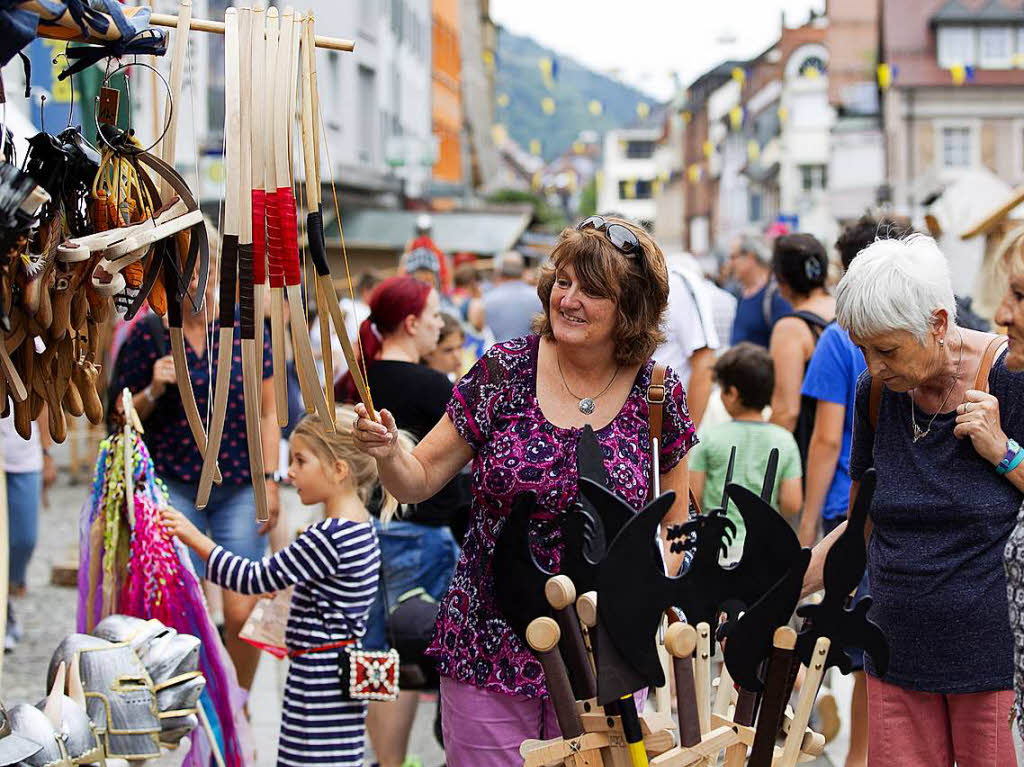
[28, 409]
[35, 272]
[85, 373]
[72, 265]
[71, 399]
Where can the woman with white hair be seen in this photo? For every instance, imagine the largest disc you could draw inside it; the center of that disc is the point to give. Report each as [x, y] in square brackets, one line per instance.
[934, 414]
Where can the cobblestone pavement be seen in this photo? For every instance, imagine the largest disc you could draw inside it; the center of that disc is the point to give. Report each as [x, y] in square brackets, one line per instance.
[47, 614]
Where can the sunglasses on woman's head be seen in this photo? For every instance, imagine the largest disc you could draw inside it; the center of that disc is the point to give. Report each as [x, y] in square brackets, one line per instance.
[622, 237]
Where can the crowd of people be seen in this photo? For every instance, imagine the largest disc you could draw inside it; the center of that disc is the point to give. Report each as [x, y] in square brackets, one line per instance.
[484, 375]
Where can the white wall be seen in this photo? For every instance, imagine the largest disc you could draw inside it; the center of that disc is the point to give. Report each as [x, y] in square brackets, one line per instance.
[617, 167]
[856, 168]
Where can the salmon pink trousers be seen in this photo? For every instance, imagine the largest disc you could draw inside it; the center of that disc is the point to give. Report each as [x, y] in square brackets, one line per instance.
[907, 728]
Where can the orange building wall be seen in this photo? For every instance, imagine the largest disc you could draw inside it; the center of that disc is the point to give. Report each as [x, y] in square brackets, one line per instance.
[446, 90]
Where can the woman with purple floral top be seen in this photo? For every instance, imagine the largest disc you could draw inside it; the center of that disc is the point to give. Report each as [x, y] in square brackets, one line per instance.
[518, 415]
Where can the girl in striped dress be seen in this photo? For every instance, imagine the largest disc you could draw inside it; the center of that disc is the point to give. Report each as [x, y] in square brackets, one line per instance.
[334, 567]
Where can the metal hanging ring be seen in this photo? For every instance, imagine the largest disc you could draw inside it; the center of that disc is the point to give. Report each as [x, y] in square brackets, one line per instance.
[71, 82]
[126, 148]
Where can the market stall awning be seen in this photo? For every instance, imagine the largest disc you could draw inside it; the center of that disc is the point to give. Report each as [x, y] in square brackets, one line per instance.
[486, 231]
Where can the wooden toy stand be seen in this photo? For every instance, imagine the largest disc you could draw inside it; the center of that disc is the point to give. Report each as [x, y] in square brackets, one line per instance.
[706, 708]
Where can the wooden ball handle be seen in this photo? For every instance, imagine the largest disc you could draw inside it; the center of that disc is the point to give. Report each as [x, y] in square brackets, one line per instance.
[586, 608]
[543, 634]
[681, 640]
[560, 591]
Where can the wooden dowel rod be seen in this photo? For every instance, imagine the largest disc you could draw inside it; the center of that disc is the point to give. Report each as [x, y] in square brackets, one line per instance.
[158, 20]
[217, 28]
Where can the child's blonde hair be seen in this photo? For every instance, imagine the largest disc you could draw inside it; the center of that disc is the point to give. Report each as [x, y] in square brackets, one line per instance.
[340, 445]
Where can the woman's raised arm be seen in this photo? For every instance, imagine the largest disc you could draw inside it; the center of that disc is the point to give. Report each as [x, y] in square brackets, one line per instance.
[414, 476]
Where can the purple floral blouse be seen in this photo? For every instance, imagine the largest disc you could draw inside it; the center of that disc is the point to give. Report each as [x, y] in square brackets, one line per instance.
[494, 408]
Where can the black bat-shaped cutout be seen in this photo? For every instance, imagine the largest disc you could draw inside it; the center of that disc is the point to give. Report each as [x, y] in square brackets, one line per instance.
[631, 613]
[842, 572]
[582, 532]
[750, 640]
[633, 592]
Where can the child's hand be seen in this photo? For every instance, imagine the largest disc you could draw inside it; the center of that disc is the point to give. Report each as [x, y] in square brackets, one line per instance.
[176, 523]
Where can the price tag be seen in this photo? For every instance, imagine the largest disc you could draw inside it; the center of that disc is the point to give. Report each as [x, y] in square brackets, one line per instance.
[107, 112]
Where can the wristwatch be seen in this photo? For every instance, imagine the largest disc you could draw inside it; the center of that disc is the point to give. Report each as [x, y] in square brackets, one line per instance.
[1013, 458]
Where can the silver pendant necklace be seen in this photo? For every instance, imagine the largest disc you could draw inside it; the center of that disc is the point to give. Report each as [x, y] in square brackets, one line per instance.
[587, 405]
[922, 433]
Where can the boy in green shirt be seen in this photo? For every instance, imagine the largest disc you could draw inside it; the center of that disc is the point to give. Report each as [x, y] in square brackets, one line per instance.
[746, 377]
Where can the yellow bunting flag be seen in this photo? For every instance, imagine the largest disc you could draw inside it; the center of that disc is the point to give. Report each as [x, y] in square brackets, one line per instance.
[642, 110]
[884, 73]
[595, 107]
[547, 105]
[537, 181]
[499, 134]
[503, 100]
[656, 187]
[489, 60]
[546, 67]
[753, 150]
[629, 188]
[687, 116]
[693, 173]
[783, 114]
[959, 74]
[709, 148]
[535, 146]
[739, 75]
[736, 117]
[1018, 60]
[578, 147]
[664, 176]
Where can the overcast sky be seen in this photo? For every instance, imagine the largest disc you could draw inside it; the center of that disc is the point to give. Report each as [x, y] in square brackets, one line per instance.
[647, 40]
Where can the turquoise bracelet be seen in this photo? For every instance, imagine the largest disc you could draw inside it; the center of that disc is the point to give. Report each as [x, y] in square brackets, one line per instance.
[1012, 459]
[1017, 461]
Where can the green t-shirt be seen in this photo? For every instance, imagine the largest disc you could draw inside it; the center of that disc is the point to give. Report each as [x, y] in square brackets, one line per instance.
[753, 441]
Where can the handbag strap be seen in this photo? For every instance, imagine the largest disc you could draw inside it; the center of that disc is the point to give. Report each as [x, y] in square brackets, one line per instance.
[656, 413]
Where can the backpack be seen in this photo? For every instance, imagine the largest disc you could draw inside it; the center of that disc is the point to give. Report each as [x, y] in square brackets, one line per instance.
[767, 300]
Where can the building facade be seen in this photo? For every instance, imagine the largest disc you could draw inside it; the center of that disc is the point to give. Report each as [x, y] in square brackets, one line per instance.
[629, 173]
[951, 112]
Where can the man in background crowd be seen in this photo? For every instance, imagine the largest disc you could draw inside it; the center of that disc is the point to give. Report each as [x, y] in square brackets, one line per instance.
[691, 339]
[511, 304]
[760, 304]
[424, 239]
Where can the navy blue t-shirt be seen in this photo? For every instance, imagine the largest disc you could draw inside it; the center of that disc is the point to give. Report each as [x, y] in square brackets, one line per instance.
[749, 323]
[941, 516]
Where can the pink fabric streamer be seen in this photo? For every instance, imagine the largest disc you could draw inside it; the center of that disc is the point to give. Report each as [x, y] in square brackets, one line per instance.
[160, 583]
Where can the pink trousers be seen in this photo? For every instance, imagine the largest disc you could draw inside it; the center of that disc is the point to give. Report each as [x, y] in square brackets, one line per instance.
[486, 728]
[922, 729]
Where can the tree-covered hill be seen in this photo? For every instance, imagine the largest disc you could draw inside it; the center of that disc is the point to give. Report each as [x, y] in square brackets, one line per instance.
[521, 92]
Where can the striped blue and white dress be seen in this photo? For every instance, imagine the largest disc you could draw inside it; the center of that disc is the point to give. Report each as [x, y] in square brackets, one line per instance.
[334, 566]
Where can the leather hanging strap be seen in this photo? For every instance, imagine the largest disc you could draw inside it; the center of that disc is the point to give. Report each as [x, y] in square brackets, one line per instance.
[656, 395]
[988, 358]
[992, 351]
[656, 401]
